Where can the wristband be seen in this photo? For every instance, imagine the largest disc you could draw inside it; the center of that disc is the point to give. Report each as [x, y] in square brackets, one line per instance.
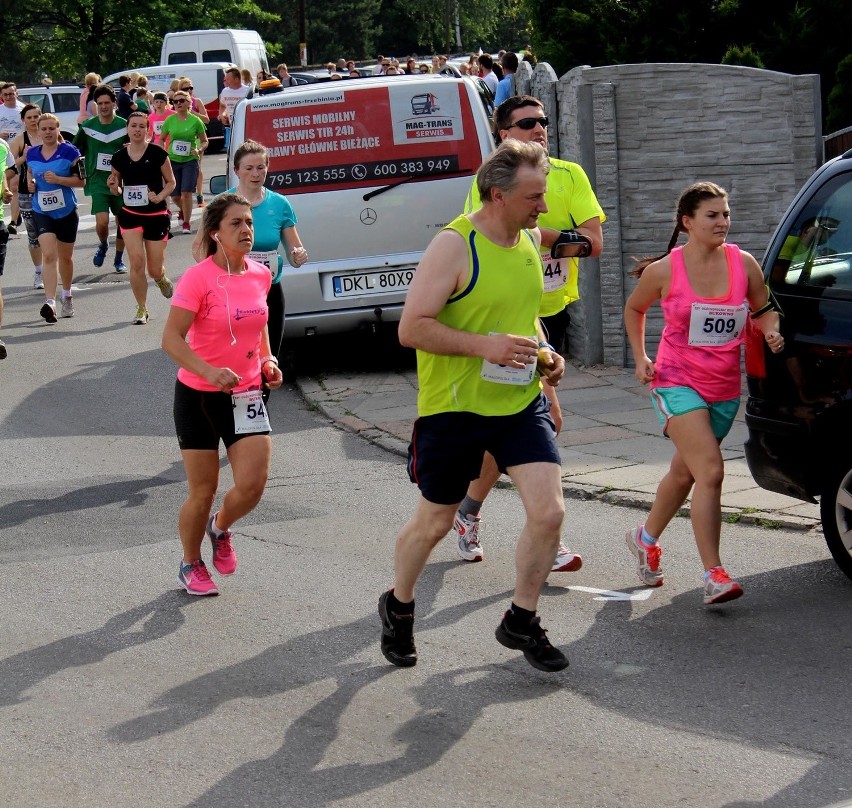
[572, 237]
[547, 345]
[268, 358]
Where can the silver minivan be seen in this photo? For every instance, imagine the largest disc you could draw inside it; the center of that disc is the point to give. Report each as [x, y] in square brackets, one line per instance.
[374, 167]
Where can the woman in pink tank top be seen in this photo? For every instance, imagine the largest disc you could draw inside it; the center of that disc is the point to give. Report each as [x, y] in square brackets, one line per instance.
[706, 289]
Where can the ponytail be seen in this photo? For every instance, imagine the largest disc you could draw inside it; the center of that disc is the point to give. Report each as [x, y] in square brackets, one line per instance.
[688, 203]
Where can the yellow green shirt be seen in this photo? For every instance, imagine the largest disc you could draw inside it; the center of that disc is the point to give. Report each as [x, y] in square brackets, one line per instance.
[502, 296]
[570, 201]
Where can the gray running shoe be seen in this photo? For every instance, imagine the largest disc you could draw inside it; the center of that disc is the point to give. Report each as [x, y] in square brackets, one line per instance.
[67, 307]
[647, 558]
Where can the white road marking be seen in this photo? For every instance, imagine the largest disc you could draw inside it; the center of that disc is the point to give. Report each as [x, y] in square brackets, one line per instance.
[614, 594]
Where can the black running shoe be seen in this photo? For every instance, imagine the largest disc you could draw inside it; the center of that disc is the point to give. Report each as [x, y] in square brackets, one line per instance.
[535, 645]
[397, 635]
[3, 352]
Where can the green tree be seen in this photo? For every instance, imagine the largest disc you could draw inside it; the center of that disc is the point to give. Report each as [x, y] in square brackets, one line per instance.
[67, 39]
[745, 55]
[840, 98]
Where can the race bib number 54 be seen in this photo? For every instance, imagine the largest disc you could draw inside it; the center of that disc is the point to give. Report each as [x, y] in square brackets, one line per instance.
[715, 325]
[250, 415]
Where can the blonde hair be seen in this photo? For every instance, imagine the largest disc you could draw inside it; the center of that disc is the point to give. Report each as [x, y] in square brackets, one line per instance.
[91, 79]
[48, 116]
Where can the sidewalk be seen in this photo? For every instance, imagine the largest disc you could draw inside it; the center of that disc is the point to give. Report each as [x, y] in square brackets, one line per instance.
[611, 444]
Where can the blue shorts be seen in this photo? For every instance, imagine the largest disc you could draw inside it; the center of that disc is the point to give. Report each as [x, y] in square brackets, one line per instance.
[446, 449]
[186, 175]
[670, 401]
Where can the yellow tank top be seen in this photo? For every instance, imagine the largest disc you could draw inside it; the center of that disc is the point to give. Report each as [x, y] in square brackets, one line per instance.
[502, 295]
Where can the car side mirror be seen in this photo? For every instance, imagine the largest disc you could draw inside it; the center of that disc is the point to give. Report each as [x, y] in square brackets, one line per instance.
[218, 184]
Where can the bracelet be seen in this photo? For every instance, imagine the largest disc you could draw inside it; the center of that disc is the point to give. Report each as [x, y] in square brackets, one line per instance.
[268, 358]
[546, 345]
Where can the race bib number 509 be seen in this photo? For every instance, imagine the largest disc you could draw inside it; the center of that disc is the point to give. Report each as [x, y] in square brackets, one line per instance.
[715, 325]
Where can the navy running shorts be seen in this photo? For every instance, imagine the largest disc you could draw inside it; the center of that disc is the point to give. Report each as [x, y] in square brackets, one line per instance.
[446, 449]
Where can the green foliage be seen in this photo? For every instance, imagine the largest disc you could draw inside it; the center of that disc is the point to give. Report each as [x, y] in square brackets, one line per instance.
[68, 39]
[840, 98]
[742, 55]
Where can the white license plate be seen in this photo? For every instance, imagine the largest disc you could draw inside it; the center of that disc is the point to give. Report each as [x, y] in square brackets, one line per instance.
[372, 283]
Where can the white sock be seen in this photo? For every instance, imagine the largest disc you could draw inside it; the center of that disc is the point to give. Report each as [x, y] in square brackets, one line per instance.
[647, 538]
[66, 293]
[38, 269]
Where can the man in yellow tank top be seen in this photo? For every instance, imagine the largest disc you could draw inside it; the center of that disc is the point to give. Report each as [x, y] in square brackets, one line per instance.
[575, 216]
[472, 314]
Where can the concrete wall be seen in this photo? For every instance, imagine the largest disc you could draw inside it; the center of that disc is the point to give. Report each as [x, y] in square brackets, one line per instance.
[643, 133]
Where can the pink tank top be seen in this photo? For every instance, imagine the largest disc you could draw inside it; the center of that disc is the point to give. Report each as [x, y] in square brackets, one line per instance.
[700, 346]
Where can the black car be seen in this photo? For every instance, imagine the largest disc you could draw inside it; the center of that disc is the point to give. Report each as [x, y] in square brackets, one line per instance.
[799, 410]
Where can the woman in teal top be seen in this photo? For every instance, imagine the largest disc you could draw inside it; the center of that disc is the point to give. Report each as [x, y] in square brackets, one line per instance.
[274, 222]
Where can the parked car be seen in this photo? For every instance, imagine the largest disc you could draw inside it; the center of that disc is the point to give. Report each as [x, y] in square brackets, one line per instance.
[799, 409]
[62, 100]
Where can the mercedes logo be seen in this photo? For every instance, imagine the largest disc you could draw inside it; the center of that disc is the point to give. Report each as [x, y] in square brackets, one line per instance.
[368, 216]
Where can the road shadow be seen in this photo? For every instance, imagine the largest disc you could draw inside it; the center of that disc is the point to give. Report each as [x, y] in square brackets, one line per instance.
[22, 672]
[754, 672]
[295, 774]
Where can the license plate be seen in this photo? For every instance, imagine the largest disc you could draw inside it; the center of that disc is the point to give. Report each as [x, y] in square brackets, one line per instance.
[372, 283]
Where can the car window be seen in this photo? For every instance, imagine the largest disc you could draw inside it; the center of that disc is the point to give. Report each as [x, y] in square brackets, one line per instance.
[39, 99]
[66, 102]
[816, 251]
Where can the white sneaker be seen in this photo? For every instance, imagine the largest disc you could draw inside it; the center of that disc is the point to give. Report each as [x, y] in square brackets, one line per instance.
[67, 307]
[38, 282]
[467, 536]
[566, 560]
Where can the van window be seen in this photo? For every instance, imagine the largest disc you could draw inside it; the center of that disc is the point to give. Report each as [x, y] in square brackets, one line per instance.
[223, 55]
[817, 249]
[184, 56]
[350, 138]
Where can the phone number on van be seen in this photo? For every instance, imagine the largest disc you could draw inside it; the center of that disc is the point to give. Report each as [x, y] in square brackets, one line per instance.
[372, 283]
[364, 172]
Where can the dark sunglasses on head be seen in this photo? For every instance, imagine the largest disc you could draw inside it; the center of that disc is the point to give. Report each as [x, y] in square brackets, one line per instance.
[529, 123]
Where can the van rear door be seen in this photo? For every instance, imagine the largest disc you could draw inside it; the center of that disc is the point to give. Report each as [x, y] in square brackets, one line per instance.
[374, 169]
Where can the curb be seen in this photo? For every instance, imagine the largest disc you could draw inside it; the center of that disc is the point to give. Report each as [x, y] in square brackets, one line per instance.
[348, 422]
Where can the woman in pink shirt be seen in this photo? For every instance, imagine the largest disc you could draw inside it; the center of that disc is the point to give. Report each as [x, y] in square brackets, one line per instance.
[161, 111]
[88, 108]
[217, 334]
[705, 289]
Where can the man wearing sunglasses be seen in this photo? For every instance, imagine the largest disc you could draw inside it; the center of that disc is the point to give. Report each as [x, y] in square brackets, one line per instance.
[572, 228]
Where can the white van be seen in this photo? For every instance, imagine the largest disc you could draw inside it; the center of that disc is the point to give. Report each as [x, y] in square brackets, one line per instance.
[245, 49]
[207, 82]
[374, 168]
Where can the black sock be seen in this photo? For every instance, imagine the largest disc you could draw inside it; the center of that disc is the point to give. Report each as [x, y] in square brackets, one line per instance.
[518, 617]
[398, 606]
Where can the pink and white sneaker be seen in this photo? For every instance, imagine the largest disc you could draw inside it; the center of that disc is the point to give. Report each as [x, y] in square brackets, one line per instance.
[195, 579]
[224, 557]
[566, 560]
[719, 588]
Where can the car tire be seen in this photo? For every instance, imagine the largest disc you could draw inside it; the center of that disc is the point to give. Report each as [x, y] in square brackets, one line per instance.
[836, 512]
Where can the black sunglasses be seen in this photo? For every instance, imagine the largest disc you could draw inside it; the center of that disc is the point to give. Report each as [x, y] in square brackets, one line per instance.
[529, 123]
[188, 88]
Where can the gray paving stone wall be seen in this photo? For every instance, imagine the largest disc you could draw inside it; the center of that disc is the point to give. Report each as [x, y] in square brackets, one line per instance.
[643, 133]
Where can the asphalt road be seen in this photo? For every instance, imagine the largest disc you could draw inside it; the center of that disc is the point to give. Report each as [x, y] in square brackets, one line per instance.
[117, 688]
